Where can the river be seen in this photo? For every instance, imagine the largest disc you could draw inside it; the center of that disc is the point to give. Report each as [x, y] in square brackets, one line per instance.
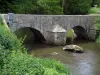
[87, 63]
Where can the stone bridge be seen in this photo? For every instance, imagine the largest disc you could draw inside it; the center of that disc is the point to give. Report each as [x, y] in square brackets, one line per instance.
[45, 24]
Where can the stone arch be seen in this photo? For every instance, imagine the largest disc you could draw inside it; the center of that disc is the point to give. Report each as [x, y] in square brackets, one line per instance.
[32, 34]
[80, 32]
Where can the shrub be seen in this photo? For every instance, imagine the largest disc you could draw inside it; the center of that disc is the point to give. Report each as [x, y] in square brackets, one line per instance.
[70, 36]
[8, 43]
[54, 66]
[3, 57]
[77, 7]
[97, 24]
[9, 40]
[24, 6]
[23, 64]
[94, 10]
[50, 7]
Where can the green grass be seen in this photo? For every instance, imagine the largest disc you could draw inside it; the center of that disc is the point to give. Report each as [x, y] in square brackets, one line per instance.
[94, 10]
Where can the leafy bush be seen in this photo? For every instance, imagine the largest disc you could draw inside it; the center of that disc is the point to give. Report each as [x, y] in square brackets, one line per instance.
[98, 39]
[94, 10]
[70, 33]
[9, 40]
[24, 6]
[14, 62]
[97, 25]
[50, 7]
[77, 6]
[54, 66]
[70, 36]
[8, 43]
[23, 64]
[3, 57]
[36, 7]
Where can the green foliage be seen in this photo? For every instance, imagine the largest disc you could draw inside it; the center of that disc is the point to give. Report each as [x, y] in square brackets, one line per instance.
[13, 61]
[98, 39]
[36, 7]
[24, 6]
[23, 64]
[97, 24]
[94, 10]
[9, 40]
[50, 7]
[54, 65]
[70, 33]
[3, 56]
[1, 21]
[8, 43]
[70, 36]
[47, 6]
[77, 6]
[96, 2]
[4, 6]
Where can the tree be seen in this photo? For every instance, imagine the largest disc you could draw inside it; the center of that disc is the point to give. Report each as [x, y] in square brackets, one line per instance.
[76, 6]
[96, 2]
[24, 6]
[50, 7]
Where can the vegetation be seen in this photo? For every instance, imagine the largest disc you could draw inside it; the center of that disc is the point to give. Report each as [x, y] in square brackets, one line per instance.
[97, 24]
[74, 7]
[24, 6]
[14, 59]
[77, 6]
[36, 7]
[50, 7]
[96, 2]
[70, 36]
[70, 33]
[94, 10]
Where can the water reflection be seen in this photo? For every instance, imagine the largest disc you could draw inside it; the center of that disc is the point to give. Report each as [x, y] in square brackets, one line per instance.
[85, 64]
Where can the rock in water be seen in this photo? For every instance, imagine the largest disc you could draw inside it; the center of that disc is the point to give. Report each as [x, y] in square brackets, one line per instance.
[54, 53]
[73, 48]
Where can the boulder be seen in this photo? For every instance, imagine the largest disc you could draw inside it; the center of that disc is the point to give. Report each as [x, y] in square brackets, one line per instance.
[73, 48]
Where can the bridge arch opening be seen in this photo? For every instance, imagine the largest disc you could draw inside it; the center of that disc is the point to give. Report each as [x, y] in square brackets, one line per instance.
[32, 36]
[80, 32]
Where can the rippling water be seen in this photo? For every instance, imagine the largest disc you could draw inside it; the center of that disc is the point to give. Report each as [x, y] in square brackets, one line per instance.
[87, 63]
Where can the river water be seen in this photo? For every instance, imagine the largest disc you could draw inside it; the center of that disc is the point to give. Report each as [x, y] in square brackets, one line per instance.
[87, 63]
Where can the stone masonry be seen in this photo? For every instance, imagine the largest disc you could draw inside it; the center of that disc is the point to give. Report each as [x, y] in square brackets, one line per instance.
[44, 23]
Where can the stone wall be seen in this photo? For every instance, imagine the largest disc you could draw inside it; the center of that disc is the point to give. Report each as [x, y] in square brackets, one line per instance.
[44, 23]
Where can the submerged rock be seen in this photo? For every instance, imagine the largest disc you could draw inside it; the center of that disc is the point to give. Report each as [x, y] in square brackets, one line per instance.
[73, 48]
[54, 53]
